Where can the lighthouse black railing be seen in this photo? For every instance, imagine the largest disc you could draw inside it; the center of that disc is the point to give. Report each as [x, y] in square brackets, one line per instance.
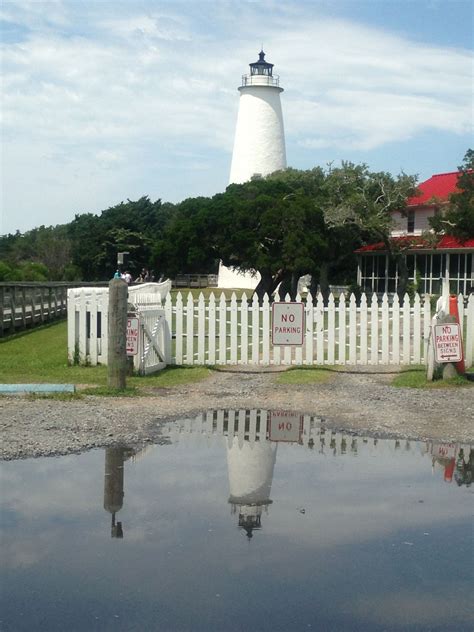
[260, 80]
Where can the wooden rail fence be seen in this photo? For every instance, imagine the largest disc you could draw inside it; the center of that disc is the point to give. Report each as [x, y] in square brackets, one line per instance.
[24, 305]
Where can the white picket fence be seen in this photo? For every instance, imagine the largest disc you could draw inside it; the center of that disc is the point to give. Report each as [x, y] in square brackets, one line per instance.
[88, 327]
[218, 331]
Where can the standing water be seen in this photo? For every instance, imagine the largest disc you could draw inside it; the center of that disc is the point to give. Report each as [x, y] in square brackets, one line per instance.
[241, 520]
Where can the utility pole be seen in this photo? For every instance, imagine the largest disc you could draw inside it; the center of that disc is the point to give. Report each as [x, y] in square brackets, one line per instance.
[117, 351]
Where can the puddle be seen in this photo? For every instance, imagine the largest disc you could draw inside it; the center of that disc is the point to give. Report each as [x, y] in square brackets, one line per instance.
[241, 520]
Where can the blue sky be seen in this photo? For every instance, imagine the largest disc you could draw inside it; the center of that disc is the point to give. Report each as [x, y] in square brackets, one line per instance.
[104, 101]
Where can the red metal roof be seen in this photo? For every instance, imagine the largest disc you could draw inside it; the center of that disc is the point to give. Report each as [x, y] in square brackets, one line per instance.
[413, 242]
[439, 186]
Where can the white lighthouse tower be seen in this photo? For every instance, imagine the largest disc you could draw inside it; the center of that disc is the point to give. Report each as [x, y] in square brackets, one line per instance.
[259, 144]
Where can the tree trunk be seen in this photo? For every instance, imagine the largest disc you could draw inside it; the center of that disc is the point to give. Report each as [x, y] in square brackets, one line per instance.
[285, 287]
[265, 285]
[402, 276]
[324, 280]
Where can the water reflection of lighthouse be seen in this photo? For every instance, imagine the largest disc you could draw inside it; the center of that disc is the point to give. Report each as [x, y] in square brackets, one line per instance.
[250, 465]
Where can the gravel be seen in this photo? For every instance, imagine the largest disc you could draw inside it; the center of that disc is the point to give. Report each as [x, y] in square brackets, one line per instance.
[356, 401]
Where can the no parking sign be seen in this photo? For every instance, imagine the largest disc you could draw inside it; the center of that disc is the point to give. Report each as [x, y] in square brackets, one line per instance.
[447, 342]
[133, 328]
[287, 324]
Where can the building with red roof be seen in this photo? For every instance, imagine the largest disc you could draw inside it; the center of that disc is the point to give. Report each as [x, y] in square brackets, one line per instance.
[430, 261]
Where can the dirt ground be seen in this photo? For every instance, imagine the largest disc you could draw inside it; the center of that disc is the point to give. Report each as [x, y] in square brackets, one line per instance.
[357, 401]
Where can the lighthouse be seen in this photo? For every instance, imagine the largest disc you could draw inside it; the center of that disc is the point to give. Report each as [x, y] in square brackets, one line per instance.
[250, 468]
[259, 144]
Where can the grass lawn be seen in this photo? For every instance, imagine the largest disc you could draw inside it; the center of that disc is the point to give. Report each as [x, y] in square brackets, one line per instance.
[415, 377]
[40, 356]
[309, 375]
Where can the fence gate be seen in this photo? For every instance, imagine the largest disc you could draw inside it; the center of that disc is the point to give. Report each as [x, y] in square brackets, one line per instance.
[151, 355]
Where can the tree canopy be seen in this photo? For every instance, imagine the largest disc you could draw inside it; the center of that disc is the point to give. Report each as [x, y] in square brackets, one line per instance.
[291, 223]
[458, 220]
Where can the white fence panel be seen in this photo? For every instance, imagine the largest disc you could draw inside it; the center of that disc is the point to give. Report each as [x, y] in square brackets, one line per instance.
[207, 331]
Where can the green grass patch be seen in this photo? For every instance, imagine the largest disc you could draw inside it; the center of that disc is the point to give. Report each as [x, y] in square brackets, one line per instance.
[61, 397]
[40, 356]
[172, 376]
[308, 375]
[415, 377]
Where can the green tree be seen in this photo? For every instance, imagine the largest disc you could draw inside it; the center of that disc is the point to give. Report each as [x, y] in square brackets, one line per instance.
[358, 207]
[185, 244]
[274, 226]
[458, 219]
[132, 226]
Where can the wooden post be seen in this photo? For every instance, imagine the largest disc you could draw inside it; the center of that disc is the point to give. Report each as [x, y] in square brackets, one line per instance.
[117, 329]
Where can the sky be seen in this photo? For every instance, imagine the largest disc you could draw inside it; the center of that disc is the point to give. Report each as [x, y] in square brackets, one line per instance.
[107, 101]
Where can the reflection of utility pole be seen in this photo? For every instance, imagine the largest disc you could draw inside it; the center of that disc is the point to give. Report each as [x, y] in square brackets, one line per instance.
[113, 486]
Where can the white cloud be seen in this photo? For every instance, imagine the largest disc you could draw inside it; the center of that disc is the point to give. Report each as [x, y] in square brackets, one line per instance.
[118, 82]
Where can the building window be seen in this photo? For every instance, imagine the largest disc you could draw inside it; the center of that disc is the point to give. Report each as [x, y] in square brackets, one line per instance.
[411, 221]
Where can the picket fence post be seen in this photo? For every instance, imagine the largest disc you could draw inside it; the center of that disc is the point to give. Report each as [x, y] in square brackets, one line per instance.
[395, 330]
[363, 329]
[374, 330]
[309, 329]
[385, 330]
[212, 329]
[406, 329]
[469, 346]
[222, 329]
[319, 329]
[255, 330]
[352, 330]
[244, 329]
[201, 357]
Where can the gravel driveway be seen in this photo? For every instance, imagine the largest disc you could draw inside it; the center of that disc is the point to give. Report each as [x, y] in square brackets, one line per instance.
[361, 401]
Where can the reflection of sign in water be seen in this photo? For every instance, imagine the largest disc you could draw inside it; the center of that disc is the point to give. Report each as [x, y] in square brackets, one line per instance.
[285, 426]
[444, 450]
[287, 323]
[132, 336]
[447, 339]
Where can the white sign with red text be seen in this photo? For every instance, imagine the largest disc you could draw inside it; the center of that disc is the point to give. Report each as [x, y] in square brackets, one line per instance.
[285, 426]
[447, 342]
[287, 324]
[133, 328]
[444, 450]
